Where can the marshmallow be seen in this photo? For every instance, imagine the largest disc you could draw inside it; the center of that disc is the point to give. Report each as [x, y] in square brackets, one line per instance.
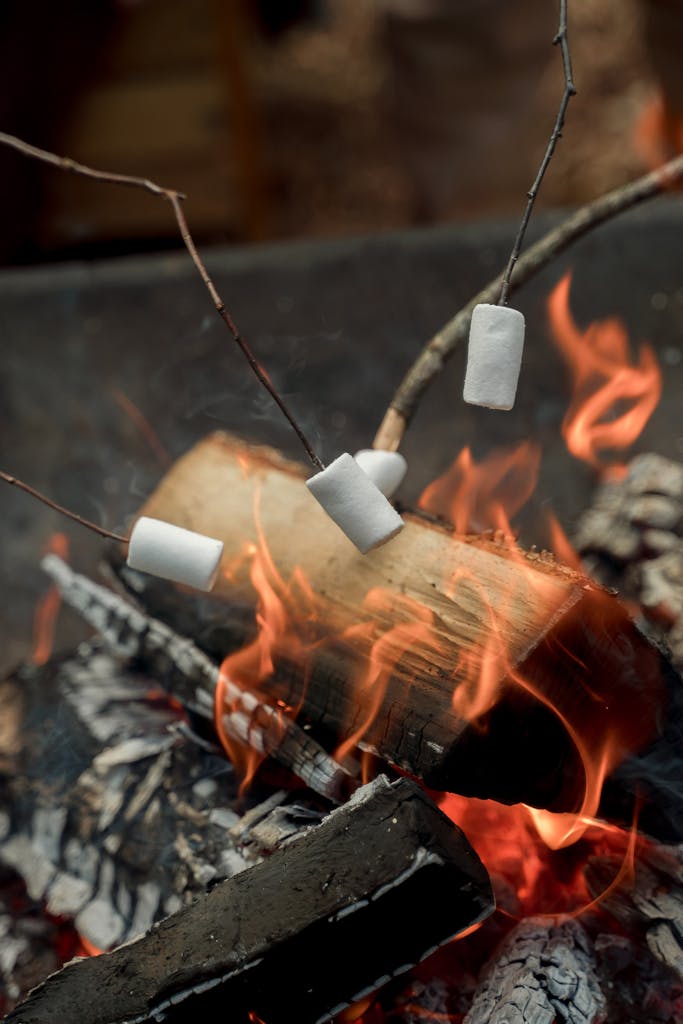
[494, 356]
[385, 469]
[174, 553]
[355, 504]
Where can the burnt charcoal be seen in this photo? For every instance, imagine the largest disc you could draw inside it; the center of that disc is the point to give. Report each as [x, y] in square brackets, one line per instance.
[639, 989]
[317, 926]
[109, 810]
[649, 903]
[542, 972]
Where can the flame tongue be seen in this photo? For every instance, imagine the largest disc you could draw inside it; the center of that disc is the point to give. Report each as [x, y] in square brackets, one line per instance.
[484, 496]
[612, 398]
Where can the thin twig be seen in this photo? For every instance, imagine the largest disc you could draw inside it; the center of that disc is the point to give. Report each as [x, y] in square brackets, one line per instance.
[436, 352]
[175, 199]
[14, 482]
[569, 91]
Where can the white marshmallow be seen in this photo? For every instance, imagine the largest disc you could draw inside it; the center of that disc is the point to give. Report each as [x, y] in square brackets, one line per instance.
[494, 356]
[385, 469]
[174, 553]
[355, 504]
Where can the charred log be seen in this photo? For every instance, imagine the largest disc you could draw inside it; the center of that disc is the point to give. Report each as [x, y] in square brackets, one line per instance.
[577, 653]
[542, 972]
[111, 809]
[648, 903]
[268, 944]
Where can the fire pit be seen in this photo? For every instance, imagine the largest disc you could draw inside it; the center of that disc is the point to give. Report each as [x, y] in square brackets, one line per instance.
[92, 414]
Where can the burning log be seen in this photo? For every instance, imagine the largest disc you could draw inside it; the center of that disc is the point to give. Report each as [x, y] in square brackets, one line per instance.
[450, 657]
[648, 902]
[542, 972]
[268, 943]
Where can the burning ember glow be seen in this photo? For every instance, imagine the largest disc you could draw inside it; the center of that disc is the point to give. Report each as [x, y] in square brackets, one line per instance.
[612, 398]
[47, 609]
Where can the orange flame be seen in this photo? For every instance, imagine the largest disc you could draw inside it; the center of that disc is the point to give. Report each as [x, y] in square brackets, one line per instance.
[612, 399]
[47, 609]
[385, 652]
[658, 133]
[278, 630]
[560, 544]
[88, 948]
[484, 496]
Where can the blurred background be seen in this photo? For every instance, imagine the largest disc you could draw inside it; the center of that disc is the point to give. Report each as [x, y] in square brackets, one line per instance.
[315, 118]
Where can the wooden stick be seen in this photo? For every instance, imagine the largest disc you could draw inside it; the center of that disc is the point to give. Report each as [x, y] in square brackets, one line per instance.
[569, 91]
[13, 481]
[440, 348]
[174, 197]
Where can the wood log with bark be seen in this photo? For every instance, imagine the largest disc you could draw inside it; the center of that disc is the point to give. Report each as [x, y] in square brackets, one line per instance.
[464, 661]
[329, 917]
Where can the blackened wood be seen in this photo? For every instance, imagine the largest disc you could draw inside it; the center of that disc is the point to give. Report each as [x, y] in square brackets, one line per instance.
[544, 971]
[647, 902]
[109, 809]
[566, 640]
[334, 914]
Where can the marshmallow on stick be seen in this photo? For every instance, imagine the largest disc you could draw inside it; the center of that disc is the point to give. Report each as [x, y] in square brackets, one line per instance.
[385, 469]
[494, 356]
[173, 553]
[355, 504]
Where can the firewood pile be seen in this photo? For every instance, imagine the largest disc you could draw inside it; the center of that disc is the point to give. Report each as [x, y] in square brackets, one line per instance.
[313, 891]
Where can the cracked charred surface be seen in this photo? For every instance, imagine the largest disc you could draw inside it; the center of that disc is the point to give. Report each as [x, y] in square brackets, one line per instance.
[543, 971]
[269, 942]
[648, 904]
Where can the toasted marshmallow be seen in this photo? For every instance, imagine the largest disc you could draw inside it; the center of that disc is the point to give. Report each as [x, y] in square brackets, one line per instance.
[494, 356]
[174, 553]
[355, 503]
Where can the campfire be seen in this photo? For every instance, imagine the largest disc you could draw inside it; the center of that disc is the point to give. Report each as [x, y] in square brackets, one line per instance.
[326, 757]
[522, 696]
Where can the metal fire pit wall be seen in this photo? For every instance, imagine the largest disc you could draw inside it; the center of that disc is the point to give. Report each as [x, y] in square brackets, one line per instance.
[336, 324]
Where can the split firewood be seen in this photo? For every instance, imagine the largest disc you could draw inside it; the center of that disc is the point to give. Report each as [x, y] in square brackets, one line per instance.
[390, 650]
[650, 903]
[317, 926]
[111, 810]
[543, 971]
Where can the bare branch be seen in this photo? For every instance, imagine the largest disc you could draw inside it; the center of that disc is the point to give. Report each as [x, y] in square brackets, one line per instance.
[569, 91]
[175, 199]
[440, 348]
[14, 482]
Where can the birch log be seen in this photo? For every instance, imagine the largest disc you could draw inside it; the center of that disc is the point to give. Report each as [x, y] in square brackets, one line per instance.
[461, 660]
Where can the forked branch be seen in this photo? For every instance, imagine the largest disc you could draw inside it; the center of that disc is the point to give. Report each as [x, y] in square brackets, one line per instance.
[569, 91]
[432, 359]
